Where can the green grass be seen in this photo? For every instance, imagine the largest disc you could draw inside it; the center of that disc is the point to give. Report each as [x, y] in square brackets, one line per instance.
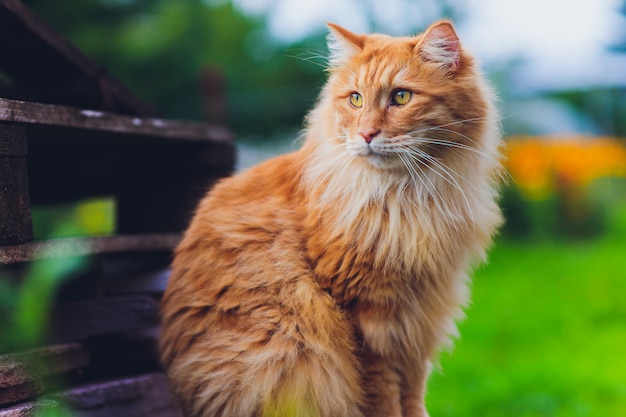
[545, 335]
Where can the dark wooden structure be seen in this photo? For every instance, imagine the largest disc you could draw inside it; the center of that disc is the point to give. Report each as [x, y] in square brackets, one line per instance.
[70, 131]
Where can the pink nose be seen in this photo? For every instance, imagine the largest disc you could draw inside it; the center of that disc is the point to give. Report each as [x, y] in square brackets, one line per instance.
[369, 134]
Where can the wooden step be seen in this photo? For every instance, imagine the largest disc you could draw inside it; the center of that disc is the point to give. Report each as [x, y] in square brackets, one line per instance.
[156, 170]
[66, 118]
[136, 396]
[24, 375]
[77, 247]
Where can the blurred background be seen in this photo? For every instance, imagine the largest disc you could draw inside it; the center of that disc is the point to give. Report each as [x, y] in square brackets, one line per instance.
[546, 331]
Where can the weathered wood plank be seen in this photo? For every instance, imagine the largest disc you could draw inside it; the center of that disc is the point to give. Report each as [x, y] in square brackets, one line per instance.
[31, 409]
[15, 217]
[29, 113]
[18, 368]
[13, 141]
[22, 375]
[28, 45]
[72, 247]
[139, 396]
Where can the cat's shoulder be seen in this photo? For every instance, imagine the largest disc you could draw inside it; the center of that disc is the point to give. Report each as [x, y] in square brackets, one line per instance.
[274, 177]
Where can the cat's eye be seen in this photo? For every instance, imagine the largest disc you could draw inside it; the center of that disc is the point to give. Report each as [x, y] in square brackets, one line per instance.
[356, 100]
[401, 97]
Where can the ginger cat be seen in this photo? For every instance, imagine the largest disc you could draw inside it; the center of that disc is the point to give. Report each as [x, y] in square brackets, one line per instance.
[322, 282]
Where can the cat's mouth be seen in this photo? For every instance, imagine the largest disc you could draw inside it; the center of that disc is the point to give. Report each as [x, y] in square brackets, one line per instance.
[376, 153]
[369, 151]
[380, 158]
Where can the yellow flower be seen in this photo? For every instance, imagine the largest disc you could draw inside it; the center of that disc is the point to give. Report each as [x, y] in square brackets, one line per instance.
[541, 165]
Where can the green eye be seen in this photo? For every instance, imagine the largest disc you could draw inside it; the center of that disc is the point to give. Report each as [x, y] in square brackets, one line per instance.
[401, 97]
[356, 100]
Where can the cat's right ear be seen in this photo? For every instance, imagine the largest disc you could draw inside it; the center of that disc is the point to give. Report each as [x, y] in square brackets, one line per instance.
[342, 44]
[440, 44]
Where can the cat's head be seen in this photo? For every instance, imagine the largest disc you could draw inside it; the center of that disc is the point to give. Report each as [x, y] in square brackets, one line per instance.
[405, 102]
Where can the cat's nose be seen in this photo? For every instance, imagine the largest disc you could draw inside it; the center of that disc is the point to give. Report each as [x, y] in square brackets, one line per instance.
[369, 134]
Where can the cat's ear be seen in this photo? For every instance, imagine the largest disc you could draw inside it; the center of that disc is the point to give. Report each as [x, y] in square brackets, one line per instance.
[441, 45]
[342, 44]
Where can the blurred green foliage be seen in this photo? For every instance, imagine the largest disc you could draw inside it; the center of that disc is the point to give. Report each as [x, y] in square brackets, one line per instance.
[26, 302]
[597, 211]
[161, 47]
[544, 335]
[93, 217]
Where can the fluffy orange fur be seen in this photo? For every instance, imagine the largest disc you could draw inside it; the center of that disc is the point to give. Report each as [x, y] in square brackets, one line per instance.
[323, 282]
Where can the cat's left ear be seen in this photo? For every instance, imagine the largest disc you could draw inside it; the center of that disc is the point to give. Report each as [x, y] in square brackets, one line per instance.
[343, 44]
[440, 44]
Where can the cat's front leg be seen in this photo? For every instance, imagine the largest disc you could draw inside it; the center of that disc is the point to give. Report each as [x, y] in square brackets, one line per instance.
[382, 385]
[393, 388]
[395, 365]
[414, 389]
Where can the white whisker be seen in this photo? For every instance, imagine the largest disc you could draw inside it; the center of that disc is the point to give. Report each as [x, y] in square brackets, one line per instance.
[458, 122]
[441, 129]
[451, 144]
[438, 198]
[312, 56]
[456, 145]
[414, 175]
[450, 178]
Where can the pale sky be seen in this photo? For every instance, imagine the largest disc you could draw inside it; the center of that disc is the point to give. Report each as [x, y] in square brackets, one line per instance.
[561, 40]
